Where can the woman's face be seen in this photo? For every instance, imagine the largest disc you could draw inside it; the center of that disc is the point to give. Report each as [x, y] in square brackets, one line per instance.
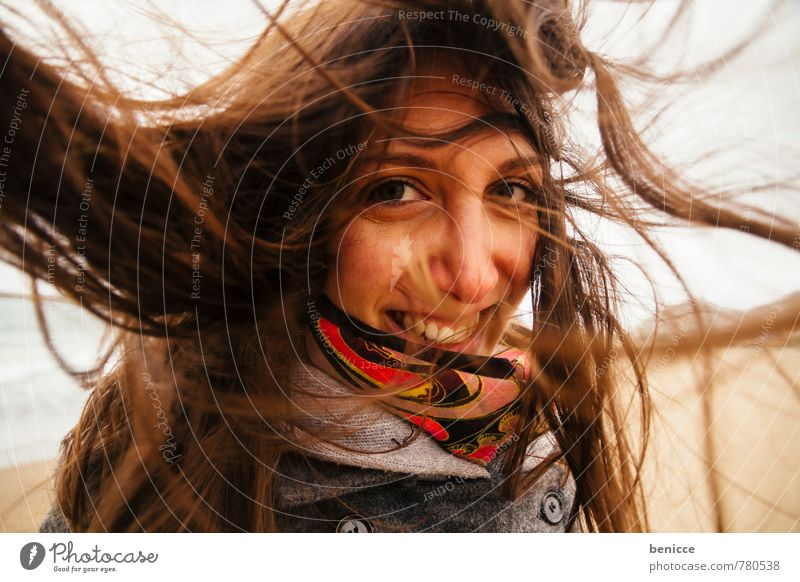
[439, 204]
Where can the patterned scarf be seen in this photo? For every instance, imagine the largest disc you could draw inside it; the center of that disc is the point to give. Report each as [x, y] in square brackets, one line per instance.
[469, 404]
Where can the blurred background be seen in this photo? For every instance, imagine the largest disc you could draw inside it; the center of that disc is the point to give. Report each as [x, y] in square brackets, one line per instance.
[724, 458]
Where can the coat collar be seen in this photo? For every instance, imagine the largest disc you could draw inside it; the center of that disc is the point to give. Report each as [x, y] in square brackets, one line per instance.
[368, 436]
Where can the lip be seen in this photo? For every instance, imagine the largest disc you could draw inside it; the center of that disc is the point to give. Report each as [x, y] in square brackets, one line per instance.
[469, 346]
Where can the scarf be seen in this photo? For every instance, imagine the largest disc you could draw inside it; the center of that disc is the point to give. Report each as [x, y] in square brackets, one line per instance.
[468, 404]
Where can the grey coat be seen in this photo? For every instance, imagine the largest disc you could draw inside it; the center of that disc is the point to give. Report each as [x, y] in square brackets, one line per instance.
[321, 496]
[362, 481]
[350, 499]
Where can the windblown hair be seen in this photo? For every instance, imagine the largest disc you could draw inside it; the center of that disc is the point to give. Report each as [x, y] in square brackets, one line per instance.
[202, 183]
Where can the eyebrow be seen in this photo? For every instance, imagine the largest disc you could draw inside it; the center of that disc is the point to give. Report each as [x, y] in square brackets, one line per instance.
[520, 163]
[402, 159]
[410, 160]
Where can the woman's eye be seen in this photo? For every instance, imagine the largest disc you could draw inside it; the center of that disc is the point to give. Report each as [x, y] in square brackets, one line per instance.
[511, 190]
[394, 191]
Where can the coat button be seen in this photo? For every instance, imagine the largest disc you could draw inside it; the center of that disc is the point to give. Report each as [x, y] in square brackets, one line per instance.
[552, 510]
[354, 524]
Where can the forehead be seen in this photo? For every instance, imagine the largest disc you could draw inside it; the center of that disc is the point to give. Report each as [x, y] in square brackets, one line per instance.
[446, 112]
[438, 100]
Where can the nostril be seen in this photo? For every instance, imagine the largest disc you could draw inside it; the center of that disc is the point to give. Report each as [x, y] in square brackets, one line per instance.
[473, 284]
[469, 280]
[463, 265]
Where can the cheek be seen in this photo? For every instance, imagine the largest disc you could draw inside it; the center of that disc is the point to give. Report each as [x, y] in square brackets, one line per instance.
[361, 268]
[515, 257]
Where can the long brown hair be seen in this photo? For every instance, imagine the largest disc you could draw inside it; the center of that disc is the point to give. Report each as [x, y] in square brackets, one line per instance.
[178, 222]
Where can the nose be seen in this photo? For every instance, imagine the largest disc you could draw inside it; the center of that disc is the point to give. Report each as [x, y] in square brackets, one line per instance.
[463, 264]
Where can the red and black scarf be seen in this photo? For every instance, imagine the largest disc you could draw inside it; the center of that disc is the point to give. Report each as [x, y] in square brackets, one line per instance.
[469, 404]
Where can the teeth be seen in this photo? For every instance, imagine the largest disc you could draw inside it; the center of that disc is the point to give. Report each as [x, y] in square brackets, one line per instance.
[432, 332]
[460, 335]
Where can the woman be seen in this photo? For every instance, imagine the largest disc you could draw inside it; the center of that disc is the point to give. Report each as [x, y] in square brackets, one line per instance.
[314, 261]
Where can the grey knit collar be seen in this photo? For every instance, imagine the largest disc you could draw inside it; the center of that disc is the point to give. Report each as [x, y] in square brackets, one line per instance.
[368, 436]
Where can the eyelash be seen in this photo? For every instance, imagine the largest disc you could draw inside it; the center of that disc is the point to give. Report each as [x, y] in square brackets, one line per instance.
[527, 188]
[405, 181]
[529, 191]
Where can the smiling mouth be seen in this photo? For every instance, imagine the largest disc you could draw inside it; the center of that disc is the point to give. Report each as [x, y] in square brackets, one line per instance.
[424, 330]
